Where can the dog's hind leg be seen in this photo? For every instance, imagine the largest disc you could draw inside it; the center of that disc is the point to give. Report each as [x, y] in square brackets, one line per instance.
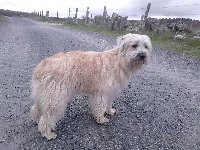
[98, 108]
[35, 113]
[53, 106]
[51, 114]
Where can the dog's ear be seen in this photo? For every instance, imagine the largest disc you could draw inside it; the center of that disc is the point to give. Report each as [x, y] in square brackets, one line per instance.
[121, 43]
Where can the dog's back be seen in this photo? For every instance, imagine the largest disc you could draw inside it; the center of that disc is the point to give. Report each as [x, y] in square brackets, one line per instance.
[83, 69]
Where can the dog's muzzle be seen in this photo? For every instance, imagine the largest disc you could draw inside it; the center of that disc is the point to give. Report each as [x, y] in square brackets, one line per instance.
[141, 56]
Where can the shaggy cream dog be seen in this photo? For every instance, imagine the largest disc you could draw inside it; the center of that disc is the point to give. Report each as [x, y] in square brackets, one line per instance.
[101, 75]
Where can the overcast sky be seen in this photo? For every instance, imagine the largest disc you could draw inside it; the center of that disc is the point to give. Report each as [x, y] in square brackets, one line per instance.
[131, 8]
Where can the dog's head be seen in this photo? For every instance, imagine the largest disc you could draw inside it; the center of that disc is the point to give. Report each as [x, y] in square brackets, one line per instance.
[135, 48]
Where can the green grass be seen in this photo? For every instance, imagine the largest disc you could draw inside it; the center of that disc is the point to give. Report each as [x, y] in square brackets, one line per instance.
[39, 18]
[1, 18]
[188, 46]
[98, 29]
[165, 41]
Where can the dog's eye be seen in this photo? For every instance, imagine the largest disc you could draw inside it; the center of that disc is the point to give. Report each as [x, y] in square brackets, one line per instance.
[135, 46]
[145, 46]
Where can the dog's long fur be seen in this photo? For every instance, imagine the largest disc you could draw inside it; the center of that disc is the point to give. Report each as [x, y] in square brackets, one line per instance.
[101, 75]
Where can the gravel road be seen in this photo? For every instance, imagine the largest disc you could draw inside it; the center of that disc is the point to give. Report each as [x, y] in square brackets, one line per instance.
[160, 109]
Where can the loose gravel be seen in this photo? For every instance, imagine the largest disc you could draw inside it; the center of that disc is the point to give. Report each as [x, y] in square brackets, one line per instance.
[160, 109]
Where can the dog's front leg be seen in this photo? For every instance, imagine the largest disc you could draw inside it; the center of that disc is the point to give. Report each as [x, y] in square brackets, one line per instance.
[109, 109]
[98, 108]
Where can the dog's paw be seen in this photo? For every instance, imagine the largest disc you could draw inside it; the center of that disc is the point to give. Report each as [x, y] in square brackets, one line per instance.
[102, 120]
[50, 136]
[111, 112]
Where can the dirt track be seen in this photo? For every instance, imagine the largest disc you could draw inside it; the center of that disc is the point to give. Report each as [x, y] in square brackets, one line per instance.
[160, 109]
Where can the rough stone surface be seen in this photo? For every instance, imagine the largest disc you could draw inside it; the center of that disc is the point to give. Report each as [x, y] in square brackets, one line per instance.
[160, 109]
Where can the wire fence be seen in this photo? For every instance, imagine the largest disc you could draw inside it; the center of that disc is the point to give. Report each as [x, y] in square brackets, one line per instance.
[135, 12]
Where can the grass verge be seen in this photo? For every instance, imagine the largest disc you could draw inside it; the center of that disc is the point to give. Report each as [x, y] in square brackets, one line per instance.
[188, 46]
[165, 41]
[98, 29]
[1, 18]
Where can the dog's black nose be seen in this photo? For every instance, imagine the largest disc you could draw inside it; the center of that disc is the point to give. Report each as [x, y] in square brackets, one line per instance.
[141, 56]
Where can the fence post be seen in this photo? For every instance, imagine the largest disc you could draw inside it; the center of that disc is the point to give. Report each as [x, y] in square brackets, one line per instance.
[87, 18]
[141, 25]
[57, 14]
[147, 11]
[47, 14]
[146, 16]
[104, 12]
[69, 13]
[76, 13]
[104, 16]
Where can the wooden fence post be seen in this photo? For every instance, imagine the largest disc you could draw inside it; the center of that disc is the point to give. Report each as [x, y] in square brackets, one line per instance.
[76, 13]
[47, 14]
[69, 13]
[146, 16]
[104, 16]
[87, 18]
[147, 11]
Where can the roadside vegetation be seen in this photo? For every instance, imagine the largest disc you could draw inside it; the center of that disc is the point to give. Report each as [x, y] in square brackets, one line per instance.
[165, 41]
[1, 18]
[188, 46]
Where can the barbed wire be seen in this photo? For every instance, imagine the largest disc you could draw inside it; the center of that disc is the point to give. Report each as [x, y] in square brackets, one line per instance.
[164, 7]
[161, 7]
[181, 5]
[129, 12]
